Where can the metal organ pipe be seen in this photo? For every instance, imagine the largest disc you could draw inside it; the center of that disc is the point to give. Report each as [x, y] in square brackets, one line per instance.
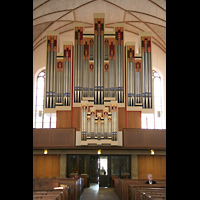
[78, 71]
[109, 125]
[116, 66]
[92, 121]
[95, 61]
[78, 58]
[146, 73]
[96, 128]
[88, 125]
[69, 79]
[105, 124]
[102, 60]
[54, 70]
[98, 64]
[84, 122]
[114, 122]
[47, 69]
[150, 71]
[102, 128]
[75, 64]
[99, 127]
[51, 74]
[143, 75]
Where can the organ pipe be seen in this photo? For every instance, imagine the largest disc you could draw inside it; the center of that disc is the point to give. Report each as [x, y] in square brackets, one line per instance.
[105, 124]
[78, 63]
[99, 60]
[131, 75]
[51, 63]
[66, 75]
[88, 125]
[84, 122]
[114, 122]
[92, 122]
[119, 64]
[146, 72]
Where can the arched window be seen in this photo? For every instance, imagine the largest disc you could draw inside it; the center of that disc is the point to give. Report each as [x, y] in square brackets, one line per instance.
[154, 121]
[42, 120]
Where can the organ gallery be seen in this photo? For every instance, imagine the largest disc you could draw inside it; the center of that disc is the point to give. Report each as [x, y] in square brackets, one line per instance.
[98, 73]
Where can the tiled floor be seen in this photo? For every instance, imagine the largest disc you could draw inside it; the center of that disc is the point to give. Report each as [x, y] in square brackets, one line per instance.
[96, 193]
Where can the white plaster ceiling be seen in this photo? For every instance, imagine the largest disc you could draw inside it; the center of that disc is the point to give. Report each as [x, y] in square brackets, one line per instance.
[137, 16]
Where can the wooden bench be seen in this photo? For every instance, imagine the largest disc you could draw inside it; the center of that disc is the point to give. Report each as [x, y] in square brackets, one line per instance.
[123, 186]
[48, 195]
[134, 189]
[142, 193]
[72, 188]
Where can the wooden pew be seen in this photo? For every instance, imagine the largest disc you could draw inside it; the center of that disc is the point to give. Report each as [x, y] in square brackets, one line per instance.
[77, 187]
[72, 188]
[142, 193]
[48, 195]
[123, 189]
[45, 184]
[155, 198]
[134, 189]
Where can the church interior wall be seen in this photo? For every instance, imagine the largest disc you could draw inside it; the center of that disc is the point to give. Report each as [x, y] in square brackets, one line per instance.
[54, 164]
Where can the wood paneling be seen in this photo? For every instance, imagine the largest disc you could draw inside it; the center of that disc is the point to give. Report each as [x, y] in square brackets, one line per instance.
[63, 137]
[133, 119]
[121, 119]
[155, 165]
[144, 138]
[63, 119]
[77, 118]
[53, 138]
[46, 166]
[142, 167]
[41, 136]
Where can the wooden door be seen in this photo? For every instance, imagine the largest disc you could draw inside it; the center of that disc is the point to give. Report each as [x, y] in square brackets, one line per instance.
[94, 169]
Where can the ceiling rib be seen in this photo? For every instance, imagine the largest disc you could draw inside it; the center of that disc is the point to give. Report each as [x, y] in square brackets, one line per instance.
[138, 19]
[131, 12]
[157, 5]
[41, 4]
[65, 15]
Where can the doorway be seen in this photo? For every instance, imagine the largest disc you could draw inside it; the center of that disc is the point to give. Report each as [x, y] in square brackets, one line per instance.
[99, 170]
[102, 169]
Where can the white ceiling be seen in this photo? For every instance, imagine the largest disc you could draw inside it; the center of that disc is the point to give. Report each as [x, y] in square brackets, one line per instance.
[137, 16]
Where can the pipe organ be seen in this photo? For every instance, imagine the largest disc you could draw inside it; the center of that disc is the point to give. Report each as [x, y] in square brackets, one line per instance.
[99, 123]
[139, 73]
[99, 62]
[101, 67]
[58, 74]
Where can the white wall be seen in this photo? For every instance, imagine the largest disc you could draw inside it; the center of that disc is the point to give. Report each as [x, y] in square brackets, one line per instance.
[158, 62]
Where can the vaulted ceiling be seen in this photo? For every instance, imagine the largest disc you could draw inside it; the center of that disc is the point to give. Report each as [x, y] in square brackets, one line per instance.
[137, 16]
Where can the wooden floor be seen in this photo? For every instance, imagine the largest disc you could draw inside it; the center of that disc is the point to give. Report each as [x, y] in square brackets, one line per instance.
[96, 193]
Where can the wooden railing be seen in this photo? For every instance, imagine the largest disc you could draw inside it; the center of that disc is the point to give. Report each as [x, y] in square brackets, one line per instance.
[53, 138]
[133, 138]
[144, 138]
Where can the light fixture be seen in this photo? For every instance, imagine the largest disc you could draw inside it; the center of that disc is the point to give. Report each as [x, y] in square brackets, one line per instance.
[99, 151]
[152, 152]
[45, 151]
